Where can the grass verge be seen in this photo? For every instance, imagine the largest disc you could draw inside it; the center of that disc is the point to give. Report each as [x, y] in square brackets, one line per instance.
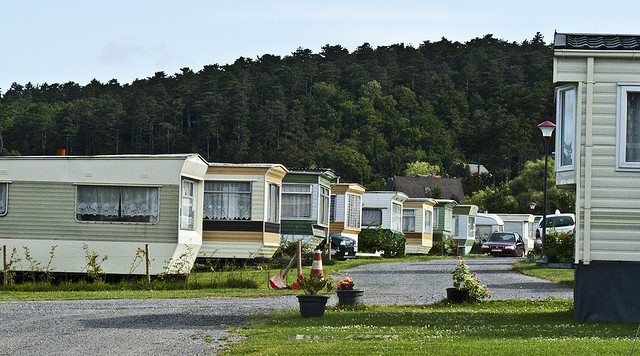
[562, 276]
[237, 282]
[488, 328]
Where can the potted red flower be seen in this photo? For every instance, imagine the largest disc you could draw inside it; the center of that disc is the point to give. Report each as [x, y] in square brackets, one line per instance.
[346, 294]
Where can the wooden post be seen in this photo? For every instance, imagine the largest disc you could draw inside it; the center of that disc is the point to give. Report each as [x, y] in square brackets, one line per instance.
[299, 257]
[5, 278]
[147, 262]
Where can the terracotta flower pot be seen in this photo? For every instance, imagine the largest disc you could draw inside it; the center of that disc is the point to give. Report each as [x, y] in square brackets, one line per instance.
[350, 296]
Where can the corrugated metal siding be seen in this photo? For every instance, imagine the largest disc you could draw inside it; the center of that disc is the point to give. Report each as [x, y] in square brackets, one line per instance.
[379, 201]
[45, 210]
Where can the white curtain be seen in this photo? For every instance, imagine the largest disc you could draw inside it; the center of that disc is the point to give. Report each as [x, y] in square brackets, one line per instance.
[227, 200]
[355, 208]
[371, 217]
[409, 220]
[98, 200]
[396, 217]
[139, 201]
[296, 201]
[187, 220]
[3, 198]
[274, 203]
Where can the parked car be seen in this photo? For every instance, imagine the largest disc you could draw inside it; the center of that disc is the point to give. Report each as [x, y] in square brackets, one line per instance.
[504, 244]
[342, 247]
[561, 222]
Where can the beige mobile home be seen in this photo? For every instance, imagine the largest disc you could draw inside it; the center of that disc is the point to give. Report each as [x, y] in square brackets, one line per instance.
[417, 224]
[241, 210]
[597, 81]
[345, 217]
[113, 205]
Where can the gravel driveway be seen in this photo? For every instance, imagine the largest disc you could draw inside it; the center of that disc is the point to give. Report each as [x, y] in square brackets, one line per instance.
[199, 326]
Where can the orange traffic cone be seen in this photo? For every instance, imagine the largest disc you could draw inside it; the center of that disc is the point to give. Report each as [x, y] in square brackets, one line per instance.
[316, 266]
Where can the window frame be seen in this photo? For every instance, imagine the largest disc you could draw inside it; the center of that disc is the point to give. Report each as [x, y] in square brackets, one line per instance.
[428, 222]
[349, 214]
[333, 198]
[6, 198]
[324, 205]
[150, 222]
[183, 197]
[249, 192]
[375, 223]
[273, 216]
[621, 127]
[561, 123]
[411, 217]
[396, 216]
[285, 194]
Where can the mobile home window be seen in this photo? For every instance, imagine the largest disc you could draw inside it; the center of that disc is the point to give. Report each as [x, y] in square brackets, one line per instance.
[396, 216]
[354, 209]
[566, 109]
[323, 215]
[436, 213]
[227, 200]
[371, 216]
[428, 218]
[117, 204]
[296, 201]
[456, 226]
[4, 190]
[187, 206]
[628, 135]
[332, 208]
[408, 220]
[273, 205]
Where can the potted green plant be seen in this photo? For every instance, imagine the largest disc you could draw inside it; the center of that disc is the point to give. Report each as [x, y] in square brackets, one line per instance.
[312, 304]
[466, 285]
[346, 294]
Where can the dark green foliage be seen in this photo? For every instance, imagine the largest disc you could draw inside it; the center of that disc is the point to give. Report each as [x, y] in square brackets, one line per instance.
[377, 239]
[560, 244]
[367, 113]
[446, 247]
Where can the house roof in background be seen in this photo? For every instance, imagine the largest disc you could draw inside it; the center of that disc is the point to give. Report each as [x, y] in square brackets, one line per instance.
[596, 41]
[416, 187]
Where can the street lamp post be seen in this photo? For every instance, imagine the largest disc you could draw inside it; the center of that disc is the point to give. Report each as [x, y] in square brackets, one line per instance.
[547, 128]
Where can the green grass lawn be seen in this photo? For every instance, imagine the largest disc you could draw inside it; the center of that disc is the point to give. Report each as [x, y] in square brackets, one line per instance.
[486, 328]
[562, 276]
[251, 281]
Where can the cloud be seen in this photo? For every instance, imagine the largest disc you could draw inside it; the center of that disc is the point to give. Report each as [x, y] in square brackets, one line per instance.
[120, 50]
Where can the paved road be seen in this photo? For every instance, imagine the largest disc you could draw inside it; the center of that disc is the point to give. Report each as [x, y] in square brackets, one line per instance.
[199, 326]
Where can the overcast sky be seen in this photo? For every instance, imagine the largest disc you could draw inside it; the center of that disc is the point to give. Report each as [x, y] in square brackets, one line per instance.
[62, 41]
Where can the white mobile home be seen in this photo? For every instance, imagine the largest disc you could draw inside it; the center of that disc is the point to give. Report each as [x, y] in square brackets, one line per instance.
[597, 81]
[109, 205]
[417, 224]
[383, 209]
[523, 225]
[242, 210]
[464, 227]
[487, 223]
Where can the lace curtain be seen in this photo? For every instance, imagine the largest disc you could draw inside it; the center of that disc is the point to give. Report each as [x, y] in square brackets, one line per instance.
[98, 200]
[117, 201]
[355, 209]
[274, 203]
[3, 198]
[371, 217]
[227, 200]
[396, 217]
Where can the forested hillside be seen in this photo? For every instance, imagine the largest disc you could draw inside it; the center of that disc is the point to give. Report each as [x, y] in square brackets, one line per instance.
[365, 113]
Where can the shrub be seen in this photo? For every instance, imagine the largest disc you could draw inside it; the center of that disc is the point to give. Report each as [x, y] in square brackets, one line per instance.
[560, 244]
[446, 247]
[391, 243]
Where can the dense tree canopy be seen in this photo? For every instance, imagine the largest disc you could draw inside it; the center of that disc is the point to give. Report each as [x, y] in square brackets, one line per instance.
[367, 113]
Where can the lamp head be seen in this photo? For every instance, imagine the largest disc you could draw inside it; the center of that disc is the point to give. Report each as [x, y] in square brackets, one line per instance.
[547, 128]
